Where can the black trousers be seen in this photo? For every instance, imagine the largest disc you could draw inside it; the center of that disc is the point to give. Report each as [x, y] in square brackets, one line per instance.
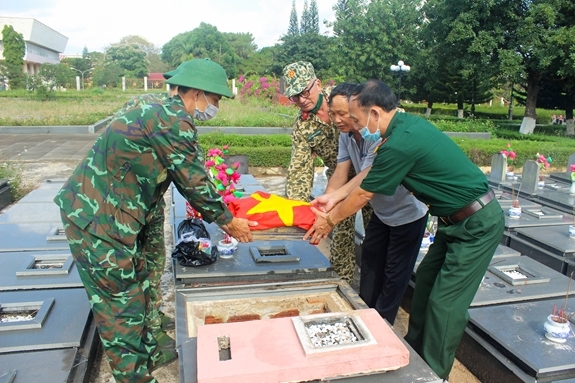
[388, 255]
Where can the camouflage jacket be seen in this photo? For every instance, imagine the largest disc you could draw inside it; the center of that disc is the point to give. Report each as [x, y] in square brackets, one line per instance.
[112, 192]
[310, 136]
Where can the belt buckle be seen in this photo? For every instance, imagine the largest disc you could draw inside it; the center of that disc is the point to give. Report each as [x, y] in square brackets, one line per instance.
[445, 221]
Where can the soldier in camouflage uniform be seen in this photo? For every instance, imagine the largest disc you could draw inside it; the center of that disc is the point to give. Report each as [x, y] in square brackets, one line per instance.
[113, 194]
[314, 133]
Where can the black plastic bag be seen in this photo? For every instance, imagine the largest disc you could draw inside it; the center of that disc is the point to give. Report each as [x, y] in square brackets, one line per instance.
[194, 247]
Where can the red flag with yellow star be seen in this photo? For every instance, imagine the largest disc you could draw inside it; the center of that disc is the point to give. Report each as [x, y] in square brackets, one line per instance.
[270, 210]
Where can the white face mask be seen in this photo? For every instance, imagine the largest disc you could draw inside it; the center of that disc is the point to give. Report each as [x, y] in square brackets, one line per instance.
[207, 114]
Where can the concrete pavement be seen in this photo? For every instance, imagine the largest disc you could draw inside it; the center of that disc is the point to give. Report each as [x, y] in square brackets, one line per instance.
[45, 147]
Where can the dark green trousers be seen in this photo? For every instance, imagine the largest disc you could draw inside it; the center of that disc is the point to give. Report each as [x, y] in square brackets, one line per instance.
[446, 282]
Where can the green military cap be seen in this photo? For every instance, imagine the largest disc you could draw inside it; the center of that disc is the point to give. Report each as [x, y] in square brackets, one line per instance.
[202, 74]
[297, 77]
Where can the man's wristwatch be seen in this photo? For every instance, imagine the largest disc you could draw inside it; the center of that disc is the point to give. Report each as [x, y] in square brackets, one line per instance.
[329, 221]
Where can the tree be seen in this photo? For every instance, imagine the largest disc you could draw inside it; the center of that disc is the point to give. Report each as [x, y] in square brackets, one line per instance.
[130, 58]
[14, 51]
[311, 47]
[313, 17]
[373, 35]
[242, 44]
[204, 41]
[304, 21]
[155, 63]
[293, 29]
[260, 63]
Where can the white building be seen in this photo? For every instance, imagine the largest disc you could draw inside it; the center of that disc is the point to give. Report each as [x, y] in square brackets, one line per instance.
[43, 44]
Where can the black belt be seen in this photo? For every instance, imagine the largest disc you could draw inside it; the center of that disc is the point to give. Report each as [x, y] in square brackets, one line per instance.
[468, 210]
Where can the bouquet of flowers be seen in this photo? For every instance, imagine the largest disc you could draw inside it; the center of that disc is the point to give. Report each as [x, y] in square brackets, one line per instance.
[572, 168]
[223, 176]
[544, 162]
[509, 154]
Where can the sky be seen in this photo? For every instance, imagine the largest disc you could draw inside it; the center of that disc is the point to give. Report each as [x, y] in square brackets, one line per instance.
[97, 24]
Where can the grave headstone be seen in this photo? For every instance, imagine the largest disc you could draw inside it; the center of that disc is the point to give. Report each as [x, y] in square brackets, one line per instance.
[498, 168]
[530, 177]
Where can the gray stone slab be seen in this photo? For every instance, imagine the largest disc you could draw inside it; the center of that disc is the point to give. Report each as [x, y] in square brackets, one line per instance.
[31, 213]
[416, 371]
[32, 237]
[501, 252]
[549, 217]
[62, 325]
[553, 238]
[40, 195]
[559, 199]
[242, 268]
[24, 270]
[530, 177]
[496, 290]
[38, 366]
[498, 168]
[517, 331]
[505, 200]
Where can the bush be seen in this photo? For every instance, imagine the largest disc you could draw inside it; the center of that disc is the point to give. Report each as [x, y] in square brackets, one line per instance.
[12, 172]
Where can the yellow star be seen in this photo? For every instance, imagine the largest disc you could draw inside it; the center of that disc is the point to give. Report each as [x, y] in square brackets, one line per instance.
[283, 206]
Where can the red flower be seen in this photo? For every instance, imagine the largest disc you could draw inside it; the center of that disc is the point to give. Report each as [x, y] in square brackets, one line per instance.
[304, 116]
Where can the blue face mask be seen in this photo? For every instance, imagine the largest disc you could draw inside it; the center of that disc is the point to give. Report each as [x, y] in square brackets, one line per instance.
[367, 135]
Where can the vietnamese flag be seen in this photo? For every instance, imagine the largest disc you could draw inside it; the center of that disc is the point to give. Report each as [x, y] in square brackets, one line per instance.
[270, 210]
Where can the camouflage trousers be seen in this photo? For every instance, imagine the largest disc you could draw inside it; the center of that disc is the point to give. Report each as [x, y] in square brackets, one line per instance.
[154, 252]
[342, 247]
[120, 300]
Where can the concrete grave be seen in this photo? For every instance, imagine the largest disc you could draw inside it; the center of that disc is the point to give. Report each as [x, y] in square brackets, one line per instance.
[259, 261]
[534, 217]
[257, 355]
[42, 319]
[565, 176]
[27, 270]
[31, 213]
[32, 237]
[558, 199]
[550, 245]
[514, 332]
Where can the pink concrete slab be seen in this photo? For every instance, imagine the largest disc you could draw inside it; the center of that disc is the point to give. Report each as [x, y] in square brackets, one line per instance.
[269, 351]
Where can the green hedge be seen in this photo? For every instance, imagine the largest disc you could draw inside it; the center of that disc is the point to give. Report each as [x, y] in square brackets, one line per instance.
[275, 149]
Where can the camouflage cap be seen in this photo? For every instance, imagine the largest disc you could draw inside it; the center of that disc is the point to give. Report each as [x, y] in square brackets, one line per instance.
[297, 77]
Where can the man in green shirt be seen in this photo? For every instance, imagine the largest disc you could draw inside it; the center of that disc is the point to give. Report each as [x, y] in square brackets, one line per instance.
[428, 163]
[113, 195]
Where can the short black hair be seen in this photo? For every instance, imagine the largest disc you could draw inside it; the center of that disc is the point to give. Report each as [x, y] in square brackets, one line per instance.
[344, 89]
[375, 92]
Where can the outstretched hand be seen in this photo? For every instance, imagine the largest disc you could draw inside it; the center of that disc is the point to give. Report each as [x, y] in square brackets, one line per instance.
[325, 202]
[239, 228]
[320, 228]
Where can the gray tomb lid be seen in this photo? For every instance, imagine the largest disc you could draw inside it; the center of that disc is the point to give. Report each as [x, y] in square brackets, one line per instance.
[560, 199]
[31, 213]
[40, 195]
[416, 371]
[531, 217]
[542, 282]
[287, 260]
[32, 237]
[59, 322]
[517, 330]
[501, 252]
[38, 366]
[27, 270]
[552, 238]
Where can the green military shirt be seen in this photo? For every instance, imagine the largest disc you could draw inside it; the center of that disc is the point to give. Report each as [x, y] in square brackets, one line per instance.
[131, 165]
[310, 136]
[428, 163]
